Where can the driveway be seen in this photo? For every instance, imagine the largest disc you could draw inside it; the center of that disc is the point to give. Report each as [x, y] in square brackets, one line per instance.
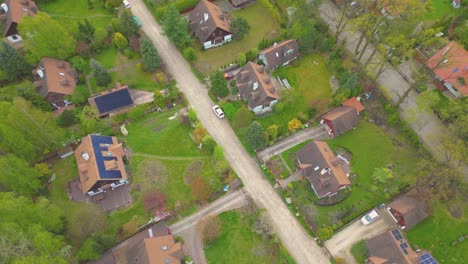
[340, 244]
[296, 240]
[289, 142]
[425, 123]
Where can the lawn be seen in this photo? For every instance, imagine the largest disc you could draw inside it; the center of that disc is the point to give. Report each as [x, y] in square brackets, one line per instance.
[370, 148]
[157, 135]
[238, 243]
[135, 78]
[440, 9]
[68, 13]
[437, 232]
[111, 57]
[262, 26]
[309, 78]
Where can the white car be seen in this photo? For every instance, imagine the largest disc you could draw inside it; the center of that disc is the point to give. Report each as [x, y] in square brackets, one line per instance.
[369, 217]
[218, 111]
[126, 4]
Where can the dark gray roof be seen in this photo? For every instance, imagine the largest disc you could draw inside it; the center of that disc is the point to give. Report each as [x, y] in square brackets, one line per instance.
[280, 53]
[343, 119]
[412, 207]
[387, 249]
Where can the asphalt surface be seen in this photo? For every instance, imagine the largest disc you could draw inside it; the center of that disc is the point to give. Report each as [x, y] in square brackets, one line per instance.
[295, 239]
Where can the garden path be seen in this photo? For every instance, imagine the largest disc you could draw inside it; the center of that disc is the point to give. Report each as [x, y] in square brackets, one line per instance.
[137, 154]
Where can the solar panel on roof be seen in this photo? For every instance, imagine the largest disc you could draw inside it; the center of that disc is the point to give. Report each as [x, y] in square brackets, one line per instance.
[114, 101]
[397, 234]
[427, 259]
[96, 142]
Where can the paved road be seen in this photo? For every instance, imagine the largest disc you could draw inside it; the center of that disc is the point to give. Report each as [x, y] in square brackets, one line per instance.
[296, 240]
[289, 142]
[425, 123]
[340, 244]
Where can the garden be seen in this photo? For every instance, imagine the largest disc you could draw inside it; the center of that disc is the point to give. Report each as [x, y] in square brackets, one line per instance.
[243, 237]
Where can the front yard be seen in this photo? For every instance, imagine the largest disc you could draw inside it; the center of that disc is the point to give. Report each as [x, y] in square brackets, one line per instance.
[262, 26]
[370, 148]
[238, 243]
[440, 234]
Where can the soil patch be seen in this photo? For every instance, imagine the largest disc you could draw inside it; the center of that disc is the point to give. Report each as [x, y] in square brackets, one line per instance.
[193, 170]
[159, 128]
[153, 175]
[275, 167]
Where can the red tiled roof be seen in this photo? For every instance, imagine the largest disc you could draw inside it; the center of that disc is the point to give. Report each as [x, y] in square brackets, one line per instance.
[354, 103]
[451, 65]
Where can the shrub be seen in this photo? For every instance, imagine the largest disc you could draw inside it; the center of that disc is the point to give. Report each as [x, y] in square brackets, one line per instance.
[198, 134]
[252, 54]
[359, 251]
[218, 84]
[211, 229]
[294, 124]
[272, 132]
[67, 118]
[302, 117]
[229, 110]
[325, 233]
[120, 41]
[80, 64]
[241, 59]
[279, 107]
[189, 54]
[243, 117]
[209, 144]
[200, 189]
[255, 136]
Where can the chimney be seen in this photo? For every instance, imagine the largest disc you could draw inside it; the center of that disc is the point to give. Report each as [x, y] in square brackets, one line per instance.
[65, 83]
[61, 65]
[205, 16]
[260, 69]
[255, 85]
[266, 80]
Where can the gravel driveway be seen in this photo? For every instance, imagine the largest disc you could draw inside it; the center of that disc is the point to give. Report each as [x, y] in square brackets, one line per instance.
[299, 244]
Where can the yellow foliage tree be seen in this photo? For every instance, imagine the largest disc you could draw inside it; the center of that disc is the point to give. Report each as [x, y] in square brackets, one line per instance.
[294, 124]
[198, 134]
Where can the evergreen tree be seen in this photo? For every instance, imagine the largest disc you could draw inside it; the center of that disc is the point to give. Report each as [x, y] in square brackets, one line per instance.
[127, 25]
[87, 31]
[103, 78]
[12, 63]
[256, 136]
[150, 55]
[176, 28]
[120, 41]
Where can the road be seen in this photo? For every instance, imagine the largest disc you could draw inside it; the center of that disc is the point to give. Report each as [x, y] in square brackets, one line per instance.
[295, 239]
[289, 142]
[424, 122]
[187, 228]
[340, 244]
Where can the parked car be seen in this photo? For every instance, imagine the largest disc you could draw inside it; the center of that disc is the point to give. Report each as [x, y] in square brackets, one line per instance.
[228, 75]
[137, 21]
[218, 111]
[126, 4]
[369, 217]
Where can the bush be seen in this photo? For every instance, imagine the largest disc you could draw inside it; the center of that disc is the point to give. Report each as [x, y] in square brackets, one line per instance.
[80, 64]
[252, 54]
[88, 251]
[255, 136]
[189, 54]
[229, 110]
[279, 107]
[241, 59]
[294, 124]
[325, 233]
[243, 117]
[211, 229]
[67, 118]
[209, 144]
[359, 251]
[302, 117]
[200, 189]
[218, 84]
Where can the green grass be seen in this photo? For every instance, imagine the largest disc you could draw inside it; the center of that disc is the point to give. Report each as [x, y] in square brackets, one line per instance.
[311, 88]
[111, 57]
[237, 243]
[68, 13]
[262, 26]
[157, 135]
[437, 232]
[440, 9]
[136, 79]
[359, 251]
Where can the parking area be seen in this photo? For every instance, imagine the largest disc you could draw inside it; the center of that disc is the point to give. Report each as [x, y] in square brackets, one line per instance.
[340, 244]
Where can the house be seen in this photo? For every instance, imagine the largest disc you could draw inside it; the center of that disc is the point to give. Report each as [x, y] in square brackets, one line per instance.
[279, 54]
[11, 13]
[153, 246]
[450, 68]
[390, 247]
[354, 103]
[210, 25]
[255, 86]
[322, 168]
[114, 101]
[54, 79]
[340, 120]
[409, 209]
[241, 3]
[393, 8]
[100, 164]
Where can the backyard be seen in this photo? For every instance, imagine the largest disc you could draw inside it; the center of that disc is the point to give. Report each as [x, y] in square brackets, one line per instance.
[439, 231]
[379, 151]
[238, 243]
[266, 27]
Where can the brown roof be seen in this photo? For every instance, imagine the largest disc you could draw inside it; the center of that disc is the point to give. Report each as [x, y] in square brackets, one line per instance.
[343, 119]
[412, 208]
[99, 162]
[16, 10]
[163, 250]
[205, 18]
[280, 53]
[451, 65]
[354, 103]
[385, 249]
[237, 3]
[255, 85]
[322, 168]
[57, 77]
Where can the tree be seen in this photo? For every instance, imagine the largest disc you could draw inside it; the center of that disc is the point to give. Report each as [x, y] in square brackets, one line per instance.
[84, 221]
[80, 95]
[218, 84]
[241, 59]
[13, 64]
[255, 136]
[28, 92]
[382, 175]
[176, 27]
[67, 118]
[199, 133]
[159, 99]
[103, 78]
[189, 54]
[86, 31]
[89, 119]
[209, 144]
[242, 117]
[127, 24]
[120, 41]
[150, 54]
[239, 27]
[294, 124]
[272, 132]
[211, 229]
[18, 176]
[200, 189]
[45, 37]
